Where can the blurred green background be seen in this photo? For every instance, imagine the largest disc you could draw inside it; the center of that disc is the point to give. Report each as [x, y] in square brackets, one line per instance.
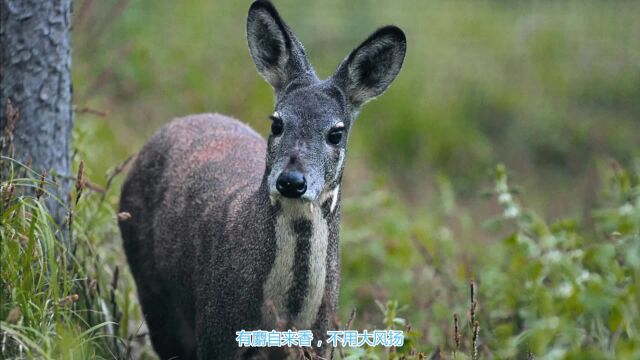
[549, 88]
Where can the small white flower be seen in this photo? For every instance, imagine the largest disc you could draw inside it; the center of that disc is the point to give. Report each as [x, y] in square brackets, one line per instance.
[511, 212]
[553, 256]
[626, 209]
[584, 276]
[565, 290]
[501, 187]
[504, 198]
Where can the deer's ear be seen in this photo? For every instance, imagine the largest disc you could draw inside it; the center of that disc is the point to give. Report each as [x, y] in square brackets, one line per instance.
[277, 53]
[369, 70]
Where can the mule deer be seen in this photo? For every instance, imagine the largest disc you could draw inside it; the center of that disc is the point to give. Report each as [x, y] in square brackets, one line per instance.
[223, 223]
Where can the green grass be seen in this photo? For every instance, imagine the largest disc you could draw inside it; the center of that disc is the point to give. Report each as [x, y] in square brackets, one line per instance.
[61, 301]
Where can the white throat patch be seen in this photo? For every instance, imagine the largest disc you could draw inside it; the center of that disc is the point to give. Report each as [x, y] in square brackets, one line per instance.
[281, 276]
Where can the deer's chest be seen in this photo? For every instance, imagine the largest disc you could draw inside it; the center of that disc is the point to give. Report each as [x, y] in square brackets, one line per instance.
[295, 284]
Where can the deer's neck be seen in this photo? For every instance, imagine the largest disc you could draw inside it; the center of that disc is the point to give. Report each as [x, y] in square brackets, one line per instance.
[296, 282]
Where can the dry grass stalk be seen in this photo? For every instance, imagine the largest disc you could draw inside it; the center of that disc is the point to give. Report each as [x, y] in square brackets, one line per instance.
[89, 185]
[88, 110]
[93, 285]
[40, 189]
[474, 307]
[348, 325]
[456, 334]
[476, 332]
[68, 300]
[474, 302]
[7, 194]
[117, 315]
[93, 187]
[27, 166]
[352, 317]
[12, 117]
[70, 222]
[115, 278]
[113, 173]
[80, 181]
[80, 185]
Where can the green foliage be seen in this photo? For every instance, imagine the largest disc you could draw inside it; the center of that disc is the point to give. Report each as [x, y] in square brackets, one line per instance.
[572, 291]
[61, 295]
[567, 289]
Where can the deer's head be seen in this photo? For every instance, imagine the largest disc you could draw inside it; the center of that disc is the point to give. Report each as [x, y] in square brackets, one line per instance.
[313, 118]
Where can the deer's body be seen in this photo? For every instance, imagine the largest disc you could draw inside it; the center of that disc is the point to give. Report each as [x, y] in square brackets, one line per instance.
[230, 232]
[194, 211]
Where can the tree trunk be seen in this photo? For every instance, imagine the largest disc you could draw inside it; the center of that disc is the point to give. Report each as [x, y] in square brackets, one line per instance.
[36, 77]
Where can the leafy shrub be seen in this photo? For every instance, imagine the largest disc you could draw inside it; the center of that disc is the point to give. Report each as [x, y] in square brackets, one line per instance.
[563, 290]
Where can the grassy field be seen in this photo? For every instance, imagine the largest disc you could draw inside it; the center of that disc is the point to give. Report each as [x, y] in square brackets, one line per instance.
[507, 153]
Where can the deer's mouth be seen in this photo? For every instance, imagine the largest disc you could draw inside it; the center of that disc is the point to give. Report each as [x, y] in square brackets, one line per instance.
[276, 196]
[325, 202]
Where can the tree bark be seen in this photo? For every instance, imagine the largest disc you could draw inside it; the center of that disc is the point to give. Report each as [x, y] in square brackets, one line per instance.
[36, 77]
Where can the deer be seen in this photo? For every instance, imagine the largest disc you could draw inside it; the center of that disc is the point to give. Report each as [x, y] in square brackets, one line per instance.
[228, 231]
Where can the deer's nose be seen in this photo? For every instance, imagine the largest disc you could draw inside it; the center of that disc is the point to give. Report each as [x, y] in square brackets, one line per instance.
[291, 184]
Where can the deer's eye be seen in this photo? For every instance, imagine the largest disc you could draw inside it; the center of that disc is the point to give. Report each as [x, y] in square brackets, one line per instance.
[277, 127]
[335, 135]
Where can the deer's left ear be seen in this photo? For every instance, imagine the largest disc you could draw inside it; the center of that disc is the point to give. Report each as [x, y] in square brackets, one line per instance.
[369, 70]
[277, 53]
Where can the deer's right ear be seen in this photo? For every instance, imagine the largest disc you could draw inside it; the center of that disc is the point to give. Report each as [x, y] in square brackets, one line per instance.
[369, 70]
[278, 55]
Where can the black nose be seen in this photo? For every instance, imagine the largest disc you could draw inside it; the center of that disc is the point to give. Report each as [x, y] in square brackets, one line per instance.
[291, 184]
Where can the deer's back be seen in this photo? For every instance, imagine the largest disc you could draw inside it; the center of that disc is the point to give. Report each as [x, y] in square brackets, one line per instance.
[179, 192]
